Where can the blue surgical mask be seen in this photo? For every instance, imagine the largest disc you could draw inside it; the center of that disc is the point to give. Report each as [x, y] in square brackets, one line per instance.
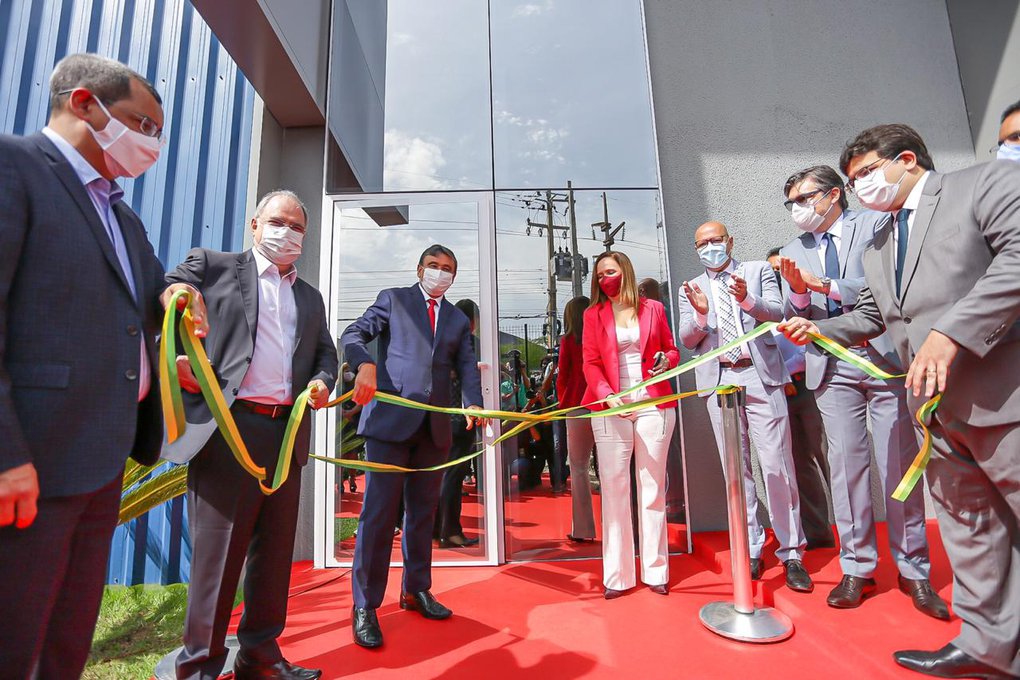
[1008, 153]
[713, 255]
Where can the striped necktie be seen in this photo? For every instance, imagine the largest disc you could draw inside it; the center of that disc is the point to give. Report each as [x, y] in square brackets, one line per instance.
[724, 314]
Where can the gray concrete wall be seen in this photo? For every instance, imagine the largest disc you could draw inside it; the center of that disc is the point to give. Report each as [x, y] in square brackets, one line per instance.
[303, 29]
[747, 91]
[987, 40]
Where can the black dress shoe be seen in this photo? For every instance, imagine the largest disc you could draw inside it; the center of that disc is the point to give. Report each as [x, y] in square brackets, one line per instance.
[578, 539]
[662, 589]
[926, 600]
[366, 627]
[850, 592]
[425, 604]
[457, 541]
[757, 567]
[612, 593]
[797, 578]
[281, 670]
[948, 662]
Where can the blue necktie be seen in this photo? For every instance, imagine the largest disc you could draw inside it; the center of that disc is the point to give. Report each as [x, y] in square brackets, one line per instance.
[831, 271]
[902, 234]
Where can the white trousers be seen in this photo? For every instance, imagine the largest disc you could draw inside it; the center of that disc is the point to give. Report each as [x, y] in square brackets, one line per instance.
[646, 438]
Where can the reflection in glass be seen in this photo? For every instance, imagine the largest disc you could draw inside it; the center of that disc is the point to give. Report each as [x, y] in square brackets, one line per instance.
[535, 242]
[379, 248]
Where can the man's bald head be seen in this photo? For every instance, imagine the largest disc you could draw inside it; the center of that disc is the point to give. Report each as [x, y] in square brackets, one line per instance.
[714, 245]
[709, 230]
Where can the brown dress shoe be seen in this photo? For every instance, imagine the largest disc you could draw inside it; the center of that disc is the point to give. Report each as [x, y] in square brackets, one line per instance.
[850, 592]
[926, 600]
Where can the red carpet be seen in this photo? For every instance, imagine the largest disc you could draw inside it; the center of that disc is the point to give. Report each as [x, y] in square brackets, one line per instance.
[550, 620]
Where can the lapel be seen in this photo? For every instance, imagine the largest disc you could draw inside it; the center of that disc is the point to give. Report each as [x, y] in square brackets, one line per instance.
[922, 220]
[301, 304]
[883, 244]
[69, 178]
[847, 239]
[610, 349]
[126, 217]
[644, 323]
[810, 246]
[445, 309]
[420, 313]
[247, 280]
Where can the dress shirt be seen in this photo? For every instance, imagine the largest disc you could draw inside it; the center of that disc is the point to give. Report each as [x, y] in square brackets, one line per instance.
[728, 303]
[913, 200]
[103, 194]
[439, 301]
[835, 232]
[269, 378]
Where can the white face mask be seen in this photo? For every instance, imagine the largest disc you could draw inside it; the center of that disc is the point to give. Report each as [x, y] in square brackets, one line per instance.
[1008, 153]
[713, 255]
[806, 219]
[436, 281]
[128, 153]
[281, 245]
[875, 192]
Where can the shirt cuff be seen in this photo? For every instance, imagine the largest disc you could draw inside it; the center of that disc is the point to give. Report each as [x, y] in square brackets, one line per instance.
[801, 300]
[747, 304]
[834, 293]
[701, 319]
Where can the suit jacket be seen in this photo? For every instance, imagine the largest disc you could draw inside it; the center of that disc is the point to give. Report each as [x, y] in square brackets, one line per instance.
[859, 228]
[601, 352]
[412, 363]
[70, 327]
[229, 284]
[962, 278]
[570, 384]
[767, 306]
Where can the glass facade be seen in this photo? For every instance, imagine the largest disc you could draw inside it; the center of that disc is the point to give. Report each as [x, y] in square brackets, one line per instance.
[520, 135]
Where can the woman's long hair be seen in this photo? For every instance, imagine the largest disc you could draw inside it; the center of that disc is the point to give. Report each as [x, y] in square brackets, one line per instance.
[573, 317]
[628, 287]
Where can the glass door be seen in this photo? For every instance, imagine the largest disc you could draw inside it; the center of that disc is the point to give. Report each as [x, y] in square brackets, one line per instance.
[374, 243]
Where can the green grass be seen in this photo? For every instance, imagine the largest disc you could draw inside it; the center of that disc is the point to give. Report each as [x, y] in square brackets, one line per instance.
[345, 527]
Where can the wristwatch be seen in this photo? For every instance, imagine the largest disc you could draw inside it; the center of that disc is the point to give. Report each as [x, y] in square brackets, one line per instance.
[826, 284]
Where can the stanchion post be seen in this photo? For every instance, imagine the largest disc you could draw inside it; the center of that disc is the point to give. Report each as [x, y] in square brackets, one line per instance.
[739, 620]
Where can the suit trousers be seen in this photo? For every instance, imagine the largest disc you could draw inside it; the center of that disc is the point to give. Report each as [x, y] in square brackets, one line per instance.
[974, 477]
[52, 584]
[451, 497]
[846, 397]
[230, 519]
[765, 419]
[383, 493]
[580, 442]
[809, 459]
[646, 439]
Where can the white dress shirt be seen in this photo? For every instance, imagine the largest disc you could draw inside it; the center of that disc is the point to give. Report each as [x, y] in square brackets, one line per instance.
[727, 304]
[439, 301]
[835, 232]
[913, 200]
[103, 193]
[269, 378]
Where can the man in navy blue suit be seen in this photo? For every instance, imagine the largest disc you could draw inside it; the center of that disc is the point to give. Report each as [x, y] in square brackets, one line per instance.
[422, 338]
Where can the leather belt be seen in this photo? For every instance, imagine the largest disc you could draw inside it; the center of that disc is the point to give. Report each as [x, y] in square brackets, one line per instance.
[271, 410]
[739, 363]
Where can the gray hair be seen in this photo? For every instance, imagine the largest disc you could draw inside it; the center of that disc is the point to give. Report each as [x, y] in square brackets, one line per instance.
[108, 80]
[286, 193]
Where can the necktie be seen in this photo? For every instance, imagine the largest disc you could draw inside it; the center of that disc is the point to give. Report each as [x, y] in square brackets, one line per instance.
[432, 315]
[724, 314]
[902, 234]
[831, 271]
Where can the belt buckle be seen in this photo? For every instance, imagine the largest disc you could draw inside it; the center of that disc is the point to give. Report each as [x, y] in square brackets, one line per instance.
[275, 411]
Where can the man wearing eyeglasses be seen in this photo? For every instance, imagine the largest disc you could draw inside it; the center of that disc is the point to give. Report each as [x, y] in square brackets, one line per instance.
[823, 275]
[81, 295]
[944, 282]
[1008, 146]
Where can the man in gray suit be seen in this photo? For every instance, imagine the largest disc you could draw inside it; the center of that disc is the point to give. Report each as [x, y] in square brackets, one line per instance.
[270, 340]
[944, 283]
[823, 274]
[728, 300]
[80, 291]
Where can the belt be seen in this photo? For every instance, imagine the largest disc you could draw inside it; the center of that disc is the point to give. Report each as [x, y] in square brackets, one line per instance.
[271, 410]
[860, 345]
[739, 363]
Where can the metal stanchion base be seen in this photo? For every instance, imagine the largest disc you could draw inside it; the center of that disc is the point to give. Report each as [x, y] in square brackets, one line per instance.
[764, 625]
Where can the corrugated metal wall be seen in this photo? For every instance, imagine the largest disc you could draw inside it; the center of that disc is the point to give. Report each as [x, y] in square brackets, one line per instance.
[196, 193]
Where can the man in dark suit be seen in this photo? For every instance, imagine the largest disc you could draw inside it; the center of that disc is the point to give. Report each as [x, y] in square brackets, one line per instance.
[270, 340]
[80, 306]
[421, 338]
[944, 284]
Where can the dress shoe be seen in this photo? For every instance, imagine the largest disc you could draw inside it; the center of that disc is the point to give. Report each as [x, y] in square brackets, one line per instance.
[578, 539]
[425, 604]
[948, 662]
[757, 567]
[281, 670]
[612, 593]
[662, 589]
[457, 541]
[926, 600]
[366, 627]
[797, 578]
[850, 592]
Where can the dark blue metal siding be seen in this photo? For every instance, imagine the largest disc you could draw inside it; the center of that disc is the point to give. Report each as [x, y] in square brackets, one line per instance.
[194, 196]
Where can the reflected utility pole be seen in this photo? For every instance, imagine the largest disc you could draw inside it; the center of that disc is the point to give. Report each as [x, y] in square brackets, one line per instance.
[609, 232]
[550, 308]
[575, 258]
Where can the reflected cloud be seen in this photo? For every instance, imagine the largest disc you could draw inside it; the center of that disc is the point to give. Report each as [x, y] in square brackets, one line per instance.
[412, 163]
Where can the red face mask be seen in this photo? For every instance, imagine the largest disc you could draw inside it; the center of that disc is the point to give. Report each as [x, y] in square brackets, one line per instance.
[610, 285]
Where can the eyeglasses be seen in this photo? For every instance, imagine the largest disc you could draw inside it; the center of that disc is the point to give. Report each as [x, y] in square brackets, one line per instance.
[715, 241]
[1008, 140]
[867, 170]
[273, 222]
[146, 125]
[805, 199]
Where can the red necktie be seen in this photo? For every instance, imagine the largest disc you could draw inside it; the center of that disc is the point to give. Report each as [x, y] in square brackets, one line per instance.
[432, 314]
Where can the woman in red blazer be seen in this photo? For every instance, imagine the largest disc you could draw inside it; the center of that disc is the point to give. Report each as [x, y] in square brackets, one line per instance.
[627, 340]
[570, 388]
